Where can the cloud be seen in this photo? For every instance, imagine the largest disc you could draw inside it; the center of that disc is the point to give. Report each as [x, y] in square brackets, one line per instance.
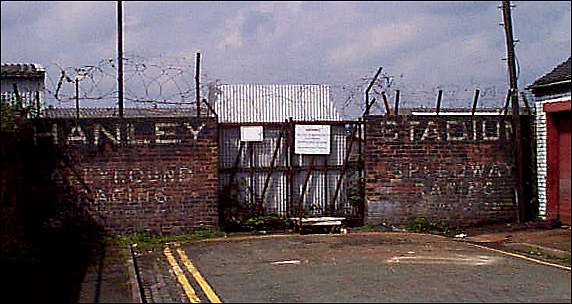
[257, 24]
[378, 41]
[431, 44]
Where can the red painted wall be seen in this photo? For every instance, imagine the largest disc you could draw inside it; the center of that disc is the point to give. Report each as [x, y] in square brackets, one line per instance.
[564, 168]
[558, 160]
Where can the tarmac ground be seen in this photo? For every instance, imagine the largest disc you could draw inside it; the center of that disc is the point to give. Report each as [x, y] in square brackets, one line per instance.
[353, 267]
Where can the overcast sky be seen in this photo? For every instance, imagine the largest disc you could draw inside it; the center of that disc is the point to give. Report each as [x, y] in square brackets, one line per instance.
[456, 46]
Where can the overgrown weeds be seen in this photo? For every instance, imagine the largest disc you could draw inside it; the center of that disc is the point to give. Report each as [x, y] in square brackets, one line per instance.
[423, 225]
[148, 240]
[258, 223]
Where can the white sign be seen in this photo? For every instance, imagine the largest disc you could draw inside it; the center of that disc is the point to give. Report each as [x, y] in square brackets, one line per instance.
[312, 139]
[251, 133]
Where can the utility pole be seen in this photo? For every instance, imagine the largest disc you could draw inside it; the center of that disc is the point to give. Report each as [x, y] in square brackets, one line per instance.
[77, 98]
[517, 141]
[198, 83]
[120, 56]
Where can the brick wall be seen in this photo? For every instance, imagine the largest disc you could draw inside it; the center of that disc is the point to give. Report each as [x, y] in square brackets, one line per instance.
[455, 169]
[155, 174]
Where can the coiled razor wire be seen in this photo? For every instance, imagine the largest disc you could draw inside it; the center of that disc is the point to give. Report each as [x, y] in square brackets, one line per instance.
[169, 82]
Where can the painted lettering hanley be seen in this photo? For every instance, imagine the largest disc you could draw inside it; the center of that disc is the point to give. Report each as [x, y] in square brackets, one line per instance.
[148, 174]
[137, 132]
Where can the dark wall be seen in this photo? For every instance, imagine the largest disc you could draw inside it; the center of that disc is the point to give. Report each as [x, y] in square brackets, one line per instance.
[455, 169]
[153, 174]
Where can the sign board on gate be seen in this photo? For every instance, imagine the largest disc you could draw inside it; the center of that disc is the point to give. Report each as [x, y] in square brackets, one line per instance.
[251, 133]
[312, 139]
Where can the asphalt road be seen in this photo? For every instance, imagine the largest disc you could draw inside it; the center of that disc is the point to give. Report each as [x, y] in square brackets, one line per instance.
[380, 267]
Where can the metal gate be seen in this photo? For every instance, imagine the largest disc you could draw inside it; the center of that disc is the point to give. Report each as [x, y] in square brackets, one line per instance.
[269, 178]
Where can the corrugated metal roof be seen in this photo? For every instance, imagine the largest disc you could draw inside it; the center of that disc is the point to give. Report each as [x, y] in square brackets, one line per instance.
[21, 70]
[239, 103]
[114, 112]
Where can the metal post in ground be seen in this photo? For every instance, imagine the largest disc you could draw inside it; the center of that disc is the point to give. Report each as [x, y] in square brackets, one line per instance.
[475, 100]
[396, 111]
[439, 97]
[386, 104]
[368, 89]
[77, 98]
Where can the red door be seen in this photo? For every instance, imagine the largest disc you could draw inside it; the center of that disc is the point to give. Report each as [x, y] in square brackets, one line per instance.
[564, 168]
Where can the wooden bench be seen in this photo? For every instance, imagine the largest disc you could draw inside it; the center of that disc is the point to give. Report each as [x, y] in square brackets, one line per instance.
[331, 223]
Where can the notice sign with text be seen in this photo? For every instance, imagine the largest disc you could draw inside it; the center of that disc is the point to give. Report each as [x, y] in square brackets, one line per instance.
[251, 133]
[312, 139]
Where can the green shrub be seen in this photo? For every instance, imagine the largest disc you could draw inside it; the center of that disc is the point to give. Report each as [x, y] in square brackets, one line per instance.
[257, 223]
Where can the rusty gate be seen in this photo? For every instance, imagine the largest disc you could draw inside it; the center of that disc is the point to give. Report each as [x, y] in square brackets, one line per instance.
[268, 178]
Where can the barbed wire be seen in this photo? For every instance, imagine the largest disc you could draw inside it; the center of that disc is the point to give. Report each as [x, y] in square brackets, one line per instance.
[165, 81]
[169, 81]
[351, 97]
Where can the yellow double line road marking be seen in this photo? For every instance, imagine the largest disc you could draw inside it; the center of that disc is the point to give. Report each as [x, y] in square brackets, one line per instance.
[189, 291]
[209, 292]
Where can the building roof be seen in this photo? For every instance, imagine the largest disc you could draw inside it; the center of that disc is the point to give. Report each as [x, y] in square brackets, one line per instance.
[561, 73]
[21, 70]
[114, 112]
[241, 103]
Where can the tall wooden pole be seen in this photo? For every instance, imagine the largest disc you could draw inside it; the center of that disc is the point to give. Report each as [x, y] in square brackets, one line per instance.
[517, 147]
[120, 56]
[198, 83]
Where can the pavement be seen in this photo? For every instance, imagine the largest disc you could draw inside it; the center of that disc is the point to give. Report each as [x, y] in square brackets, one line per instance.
[110, 277]
[551, 245]
[356, 267]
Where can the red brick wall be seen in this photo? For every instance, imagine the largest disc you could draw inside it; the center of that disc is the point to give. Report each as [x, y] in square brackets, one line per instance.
[455, 169]
[158, 175]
